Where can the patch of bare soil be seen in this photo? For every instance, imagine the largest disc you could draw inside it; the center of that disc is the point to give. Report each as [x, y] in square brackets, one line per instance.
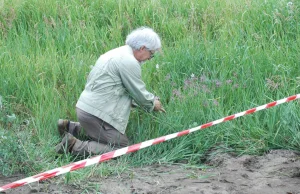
[44, 187]
[277, 172]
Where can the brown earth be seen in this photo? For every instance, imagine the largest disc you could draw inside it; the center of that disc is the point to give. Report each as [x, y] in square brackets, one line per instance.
[277, 172]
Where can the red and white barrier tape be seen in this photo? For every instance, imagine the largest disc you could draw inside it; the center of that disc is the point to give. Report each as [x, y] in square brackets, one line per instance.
[135, 147]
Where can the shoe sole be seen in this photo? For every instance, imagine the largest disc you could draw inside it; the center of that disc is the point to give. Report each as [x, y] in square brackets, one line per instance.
[65, 146]
[61, 127]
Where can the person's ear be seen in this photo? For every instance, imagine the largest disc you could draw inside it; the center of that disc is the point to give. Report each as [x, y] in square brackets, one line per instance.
[142, 48]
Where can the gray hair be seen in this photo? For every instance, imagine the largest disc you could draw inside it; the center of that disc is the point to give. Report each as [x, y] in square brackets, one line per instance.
[143, 36]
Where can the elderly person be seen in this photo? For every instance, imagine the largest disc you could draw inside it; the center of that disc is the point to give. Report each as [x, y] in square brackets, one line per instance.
[113, 84]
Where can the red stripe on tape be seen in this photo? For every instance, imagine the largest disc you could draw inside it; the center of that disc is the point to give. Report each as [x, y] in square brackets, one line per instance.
[250, 111]
[159, 140]
[77, 166]
[133, 148]
[13, 185]
[229, 118]
[185, 132]
[291, 98]
[206, 125]
[44, 174]
[106, 156]
[47, 175]
[271, 104]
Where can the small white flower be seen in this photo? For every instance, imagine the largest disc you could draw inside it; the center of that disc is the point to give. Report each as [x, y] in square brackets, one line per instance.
[193, 75]
[289, 4]
[157, 66]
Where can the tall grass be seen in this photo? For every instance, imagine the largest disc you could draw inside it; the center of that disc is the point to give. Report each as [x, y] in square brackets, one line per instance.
[220, 58]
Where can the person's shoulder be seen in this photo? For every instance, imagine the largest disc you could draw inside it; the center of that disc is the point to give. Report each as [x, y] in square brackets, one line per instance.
[122, 57]
[126, 56]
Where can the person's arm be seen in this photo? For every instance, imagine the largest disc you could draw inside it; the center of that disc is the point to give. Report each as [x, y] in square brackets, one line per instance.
[130, 74]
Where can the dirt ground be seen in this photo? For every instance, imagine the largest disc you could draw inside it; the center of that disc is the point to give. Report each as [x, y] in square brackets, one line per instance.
[277, 172]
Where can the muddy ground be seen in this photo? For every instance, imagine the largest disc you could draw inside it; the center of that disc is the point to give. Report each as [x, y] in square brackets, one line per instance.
[277, 172]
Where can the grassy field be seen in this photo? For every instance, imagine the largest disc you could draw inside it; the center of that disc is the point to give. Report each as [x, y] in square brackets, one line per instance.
[220, 58]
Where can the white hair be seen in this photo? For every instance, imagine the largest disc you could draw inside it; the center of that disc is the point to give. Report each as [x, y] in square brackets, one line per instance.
[143, 36]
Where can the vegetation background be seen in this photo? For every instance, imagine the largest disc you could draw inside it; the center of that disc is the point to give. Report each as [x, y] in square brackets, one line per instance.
[220, 58]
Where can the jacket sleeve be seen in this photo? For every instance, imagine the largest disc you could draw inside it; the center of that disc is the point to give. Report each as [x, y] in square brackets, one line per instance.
[131, 76]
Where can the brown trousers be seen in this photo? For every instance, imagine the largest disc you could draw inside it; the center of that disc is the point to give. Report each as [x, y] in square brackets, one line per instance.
[103, 136]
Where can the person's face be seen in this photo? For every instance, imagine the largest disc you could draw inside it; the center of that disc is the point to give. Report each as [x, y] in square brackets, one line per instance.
[144, 54]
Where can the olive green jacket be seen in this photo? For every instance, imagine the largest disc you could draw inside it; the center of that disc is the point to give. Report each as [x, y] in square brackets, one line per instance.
[112, 84]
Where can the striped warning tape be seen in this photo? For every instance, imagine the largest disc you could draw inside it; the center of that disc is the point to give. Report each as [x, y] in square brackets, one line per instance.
[135, 147]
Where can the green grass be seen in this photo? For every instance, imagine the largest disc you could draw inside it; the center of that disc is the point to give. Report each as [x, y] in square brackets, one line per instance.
[220, 58]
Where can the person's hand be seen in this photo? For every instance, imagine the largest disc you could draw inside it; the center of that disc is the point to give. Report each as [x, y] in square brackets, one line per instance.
[158, 106]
